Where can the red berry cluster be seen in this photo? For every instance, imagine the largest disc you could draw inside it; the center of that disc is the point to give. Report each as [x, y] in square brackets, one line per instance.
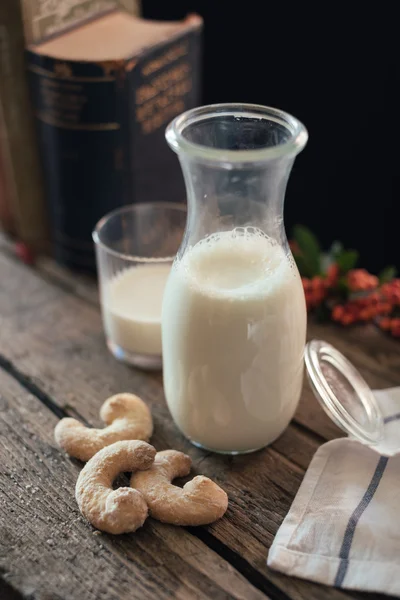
[392, 325]
[365, 301]
[391, 293]
[359, 280]
[317, 288]
[342, 293]
[361, 309]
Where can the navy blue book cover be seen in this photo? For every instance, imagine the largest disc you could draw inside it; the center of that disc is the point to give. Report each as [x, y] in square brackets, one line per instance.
[101, 135]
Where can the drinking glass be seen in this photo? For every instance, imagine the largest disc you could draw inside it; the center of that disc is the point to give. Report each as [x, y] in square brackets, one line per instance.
[135, 247]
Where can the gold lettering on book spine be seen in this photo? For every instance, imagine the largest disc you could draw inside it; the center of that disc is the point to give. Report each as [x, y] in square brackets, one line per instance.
[162, 97]
[63, 99]
[171, 55]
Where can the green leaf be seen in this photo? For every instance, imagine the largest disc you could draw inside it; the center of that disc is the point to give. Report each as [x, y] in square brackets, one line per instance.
[387, 275]
[310, 250]
[347, 260]
[302, 266]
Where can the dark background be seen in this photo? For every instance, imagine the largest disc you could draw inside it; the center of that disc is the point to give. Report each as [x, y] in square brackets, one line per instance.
[336, 68]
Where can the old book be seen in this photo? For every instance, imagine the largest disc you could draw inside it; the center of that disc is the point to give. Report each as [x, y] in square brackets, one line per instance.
[102, 95]
[21, 166]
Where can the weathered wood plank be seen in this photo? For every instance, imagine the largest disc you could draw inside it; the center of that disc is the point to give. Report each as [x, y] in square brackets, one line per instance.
[47, 550]
[81, 284]
[58, 341]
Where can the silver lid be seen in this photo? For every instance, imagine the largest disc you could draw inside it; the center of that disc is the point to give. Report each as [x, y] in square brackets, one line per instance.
[343, 393]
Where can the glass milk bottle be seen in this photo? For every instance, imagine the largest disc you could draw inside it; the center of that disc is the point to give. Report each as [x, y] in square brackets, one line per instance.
[234, 316]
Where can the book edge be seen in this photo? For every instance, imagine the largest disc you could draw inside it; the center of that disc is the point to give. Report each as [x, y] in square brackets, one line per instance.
[192, 22]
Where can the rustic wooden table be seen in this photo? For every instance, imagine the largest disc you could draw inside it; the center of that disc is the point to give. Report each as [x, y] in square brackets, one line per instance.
[54, 363]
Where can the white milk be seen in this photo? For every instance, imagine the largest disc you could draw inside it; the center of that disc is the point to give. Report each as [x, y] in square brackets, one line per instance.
[234, 328]
[132, 308]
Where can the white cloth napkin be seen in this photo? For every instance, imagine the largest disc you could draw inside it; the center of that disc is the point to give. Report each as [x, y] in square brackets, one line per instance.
[343, 528]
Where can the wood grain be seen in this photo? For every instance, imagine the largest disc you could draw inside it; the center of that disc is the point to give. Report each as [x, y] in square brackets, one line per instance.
[47, 550]
[55, 338]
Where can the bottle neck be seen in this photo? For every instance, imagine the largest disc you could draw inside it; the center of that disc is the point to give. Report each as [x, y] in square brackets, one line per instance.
[222, 197]
[236, 160]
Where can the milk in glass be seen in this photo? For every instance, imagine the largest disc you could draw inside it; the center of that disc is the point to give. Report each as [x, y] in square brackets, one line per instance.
[132, 308]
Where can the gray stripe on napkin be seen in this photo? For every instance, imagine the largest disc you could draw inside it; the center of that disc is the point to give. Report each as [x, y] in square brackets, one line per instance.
[355, 517]
[391, 418]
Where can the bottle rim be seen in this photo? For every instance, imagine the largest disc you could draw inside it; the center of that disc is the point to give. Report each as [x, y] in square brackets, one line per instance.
[294, 144]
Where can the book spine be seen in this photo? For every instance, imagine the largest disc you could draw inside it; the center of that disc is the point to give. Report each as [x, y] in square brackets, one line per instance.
[6, 218]
[165, 83]
[80, 109]
[19, 144]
